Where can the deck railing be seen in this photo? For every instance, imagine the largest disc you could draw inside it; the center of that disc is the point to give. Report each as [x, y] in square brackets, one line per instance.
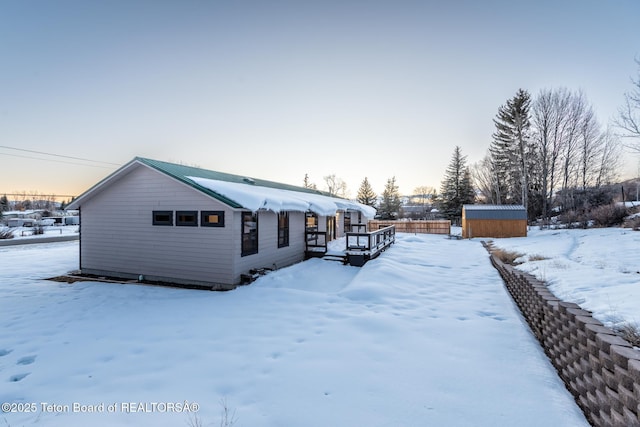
[357, 228]
[316, 241]
[365, 246]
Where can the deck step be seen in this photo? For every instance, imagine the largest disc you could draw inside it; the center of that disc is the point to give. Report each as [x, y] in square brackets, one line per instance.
[339, 258]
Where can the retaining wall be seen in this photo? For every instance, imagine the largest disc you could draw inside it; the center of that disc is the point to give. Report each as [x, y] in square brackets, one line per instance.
[599, 368]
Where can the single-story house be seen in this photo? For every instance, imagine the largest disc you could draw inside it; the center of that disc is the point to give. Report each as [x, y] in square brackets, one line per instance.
[179, 224]
[494, 221]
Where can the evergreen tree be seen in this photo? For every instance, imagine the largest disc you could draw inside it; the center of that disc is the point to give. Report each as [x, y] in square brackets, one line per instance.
[307, 183]
[511, 150]
[456, 188]
[4, 203]
[366, 195]
[390, 204]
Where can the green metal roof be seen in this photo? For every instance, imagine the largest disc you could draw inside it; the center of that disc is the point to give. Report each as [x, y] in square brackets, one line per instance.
[181, 172]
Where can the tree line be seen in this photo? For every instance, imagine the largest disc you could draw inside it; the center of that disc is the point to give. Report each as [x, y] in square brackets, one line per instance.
[389, 205]
[552, 145]
[549, 153]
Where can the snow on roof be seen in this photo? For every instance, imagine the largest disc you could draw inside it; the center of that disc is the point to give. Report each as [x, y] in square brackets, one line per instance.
[255, 197]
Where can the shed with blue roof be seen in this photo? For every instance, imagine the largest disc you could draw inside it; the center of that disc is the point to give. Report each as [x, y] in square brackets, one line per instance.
[494, 221]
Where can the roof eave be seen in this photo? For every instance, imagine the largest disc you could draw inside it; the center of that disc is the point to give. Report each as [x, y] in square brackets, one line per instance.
[77, 202]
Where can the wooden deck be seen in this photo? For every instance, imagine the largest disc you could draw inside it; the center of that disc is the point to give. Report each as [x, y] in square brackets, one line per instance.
[362, 247]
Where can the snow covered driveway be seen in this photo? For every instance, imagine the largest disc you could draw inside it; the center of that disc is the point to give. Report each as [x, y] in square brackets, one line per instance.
[425, 335]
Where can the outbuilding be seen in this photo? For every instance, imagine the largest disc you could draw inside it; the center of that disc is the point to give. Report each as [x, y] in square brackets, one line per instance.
[166, 222]
[494, 221]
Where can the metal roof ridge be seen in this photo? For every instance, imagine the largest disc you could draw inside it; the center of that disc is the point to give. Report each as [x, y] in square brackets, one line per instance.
[168, 168]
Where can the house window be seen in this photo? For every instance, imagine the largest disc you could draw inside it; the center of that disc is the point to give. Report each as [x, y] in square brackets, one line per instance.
[187, 218]
[212, 218]
[347, 222]
[162, 217]
[283, 229]
[249, 233]
[311, 221]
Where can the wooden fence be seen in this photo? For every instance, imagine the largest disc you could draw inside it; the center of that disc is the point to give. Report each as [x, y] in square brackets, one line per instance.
[425, 227]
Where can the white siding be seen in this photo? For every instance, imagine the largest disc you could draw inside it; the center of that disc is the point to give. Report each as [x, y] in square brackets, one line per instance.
[117, 235]
[269, 255]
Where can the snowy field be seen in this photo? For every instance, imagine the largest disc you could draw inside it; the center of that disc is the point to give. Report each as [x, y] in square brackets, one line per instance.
[597, 268]
[425, 335]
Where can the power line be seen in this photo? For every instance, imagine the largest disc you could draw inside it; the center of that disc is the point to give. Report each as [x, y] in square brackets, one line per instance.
[57, 155]
[56, 161]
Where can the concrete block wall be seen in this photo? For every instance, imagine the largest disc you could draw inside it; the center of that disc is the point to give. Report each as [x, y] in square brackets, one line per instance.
[599, 368]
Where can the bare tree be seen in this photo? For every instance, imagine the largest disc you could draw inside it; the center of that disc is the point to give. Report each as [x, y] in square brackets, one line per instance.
[422, 196]
[335, 186]
[571, 145]
[550, 111]
[424, 193]
[589, 140]
[484, 180]
[628, 120]
[609, 159]
[570, 139]
[545, 135]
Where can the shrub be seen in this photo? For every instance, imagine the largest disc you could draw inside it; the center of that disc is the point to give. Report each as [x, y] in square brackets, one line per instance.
[37, 230]
[570, 218]
[227, 417]
[506, 256]
[632, 222]
[608, 215]
[6, 234]
[630, 332]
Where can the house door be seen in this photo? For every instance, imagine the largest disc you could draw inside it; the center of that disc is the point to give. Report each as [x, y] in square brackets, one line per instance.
[331, 228]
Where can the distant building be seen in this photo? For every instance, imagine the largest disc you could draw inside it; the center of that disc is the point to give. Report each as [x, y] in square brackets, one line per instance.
[494, 221]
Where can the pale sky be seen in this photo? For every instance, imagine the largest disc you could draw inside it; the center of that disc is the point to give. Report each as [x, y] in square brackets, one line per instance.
[277, 89]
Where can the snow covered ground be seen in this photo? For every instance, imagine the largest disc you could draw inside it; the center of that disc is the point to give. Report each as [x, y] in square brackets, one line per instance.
[424, 335]
[597, 268]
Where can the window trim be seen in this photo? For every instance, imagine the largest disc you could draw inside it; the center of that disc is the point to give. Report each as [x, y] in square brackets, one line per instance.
[168, 222]
[314, 223]
[283, 231]
[205, 214]
[193, 223]
[254, 248]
